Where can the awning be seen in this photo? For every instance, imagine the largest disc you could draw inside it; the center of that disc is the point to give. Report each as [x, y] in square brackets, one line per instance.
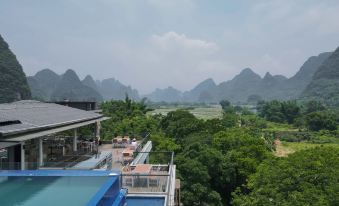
[25, 137]
[7, 144]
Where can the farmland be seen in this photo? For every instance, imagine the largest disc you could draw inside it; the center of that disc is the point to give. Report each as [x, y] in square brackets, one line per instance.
[286, 148]
[201, 112]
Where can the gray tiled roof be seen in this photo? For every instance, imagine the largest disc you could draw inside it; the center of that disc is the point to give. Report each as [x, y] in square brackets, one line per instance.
[39, 115]
[4, 119]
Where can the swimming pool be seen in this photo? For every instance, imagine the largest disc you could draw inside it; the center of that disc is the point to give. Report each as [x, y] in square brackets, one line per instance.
[58, 187]
[145, 201]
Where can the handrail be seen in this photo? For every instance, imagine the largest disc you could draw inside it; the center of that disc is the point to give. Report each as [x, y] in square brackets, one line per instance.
[142, 155]
[170, 178]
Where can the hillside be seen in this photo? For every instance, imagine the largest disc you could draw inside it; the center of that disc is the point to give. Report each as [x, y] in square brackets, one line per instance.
[13, 82]
[240, 87]
[168, 94]
[46, 85]
[297, 84]
[206, 91]
[271, 87]
[43, 84]
[113, 89]
[89, 81]
[243, 86]
[71, 88]
[325, 82]
[248, 84]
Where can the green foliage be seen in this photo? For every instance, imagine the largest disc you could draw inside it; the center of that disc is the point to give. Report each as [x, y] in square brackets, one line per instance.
[314, 106]
[230, 120]
[218, 163]
[218, 157]
[276, 111]
[227, 107]
[162, 143]
[307, 177]
[321, 120]
[253, 121]
[325, 83]
[234, 137]
[254, 99]
[179, 123]
[13, 83]
[246, 111]
[271, 111]
[126, 118]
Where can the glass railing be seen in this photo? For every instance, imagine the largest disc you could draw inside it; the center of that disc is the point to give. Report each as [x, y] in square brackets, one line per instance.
[145, 183]
[86, 165]
[155, 176]
[61, 187]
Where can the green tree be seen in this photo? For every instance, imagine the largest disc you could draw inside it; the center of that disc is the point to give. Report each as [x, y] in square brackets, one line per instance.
[127, 118]
[280, 112]
[180, 123]
[321, 120]
[291, 111]
[13, 82]
[227, 107]
[307, 177]
[243, 151]
[314, 106]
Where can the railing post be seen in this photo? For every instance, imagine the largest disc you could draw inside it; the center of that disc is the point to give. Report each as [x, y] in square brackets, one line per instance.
[22, 155]
[41, 152]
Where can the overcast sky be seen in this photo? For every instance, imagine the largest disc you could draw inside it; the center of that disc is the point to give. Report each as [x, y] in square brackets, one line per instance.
[152, 44]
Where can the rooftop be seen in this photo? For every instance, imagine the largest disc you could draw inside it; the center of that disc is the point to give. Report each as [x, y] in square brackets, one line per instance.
[24, 116]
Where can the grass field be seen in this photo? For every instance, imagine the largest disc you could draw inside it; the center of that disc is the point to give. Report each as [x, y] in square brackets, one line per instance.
[279, 127]
[200, 112]
[286, 148]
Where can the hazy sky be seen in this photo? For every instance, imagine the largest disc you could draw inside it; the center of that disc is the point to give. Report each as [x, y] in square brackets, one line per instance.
[157, 43]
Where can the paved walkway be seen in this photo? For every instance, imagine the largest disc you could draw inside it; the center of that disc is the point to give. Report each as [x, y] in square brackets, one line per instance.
[116, 155]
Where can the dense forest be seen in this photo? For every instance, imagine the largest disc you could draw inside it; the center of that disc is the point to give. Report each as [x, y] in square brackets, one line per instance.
[233, 160]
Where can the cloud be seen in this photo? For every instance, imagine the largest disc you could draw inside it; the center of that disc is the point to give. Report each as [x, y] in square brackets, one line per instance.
[170, 4]
[169, 59]
[172, 41]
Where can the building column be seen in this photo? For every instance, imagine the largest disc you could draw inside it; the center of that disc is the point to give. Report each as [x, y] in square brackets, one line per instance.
[41, 152]
[75, 140]
[22, 155]
[97, 130]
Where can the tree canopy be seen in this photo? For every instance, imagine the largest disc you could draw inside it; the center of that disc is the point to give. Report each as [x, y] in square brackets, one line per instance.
[308, 177]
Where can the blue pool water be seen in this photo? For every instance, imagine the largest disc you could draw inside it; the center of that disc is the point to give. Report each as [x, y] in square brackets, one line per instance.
[52, 188]
[145, 201]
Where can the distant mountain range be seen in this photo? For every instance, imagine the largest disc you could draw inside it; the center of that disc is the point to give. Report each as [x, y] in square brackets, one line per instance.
[46, 85]
[113, 89]
[165, 95]
[247, 84]
[317, 74]
[13, 83]
[318, 78]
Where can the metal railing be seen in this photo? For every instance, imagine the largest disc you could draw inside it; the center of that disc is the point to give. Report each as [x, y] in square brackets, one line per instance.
[145, 183]
[143, 142]
[157, 179]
